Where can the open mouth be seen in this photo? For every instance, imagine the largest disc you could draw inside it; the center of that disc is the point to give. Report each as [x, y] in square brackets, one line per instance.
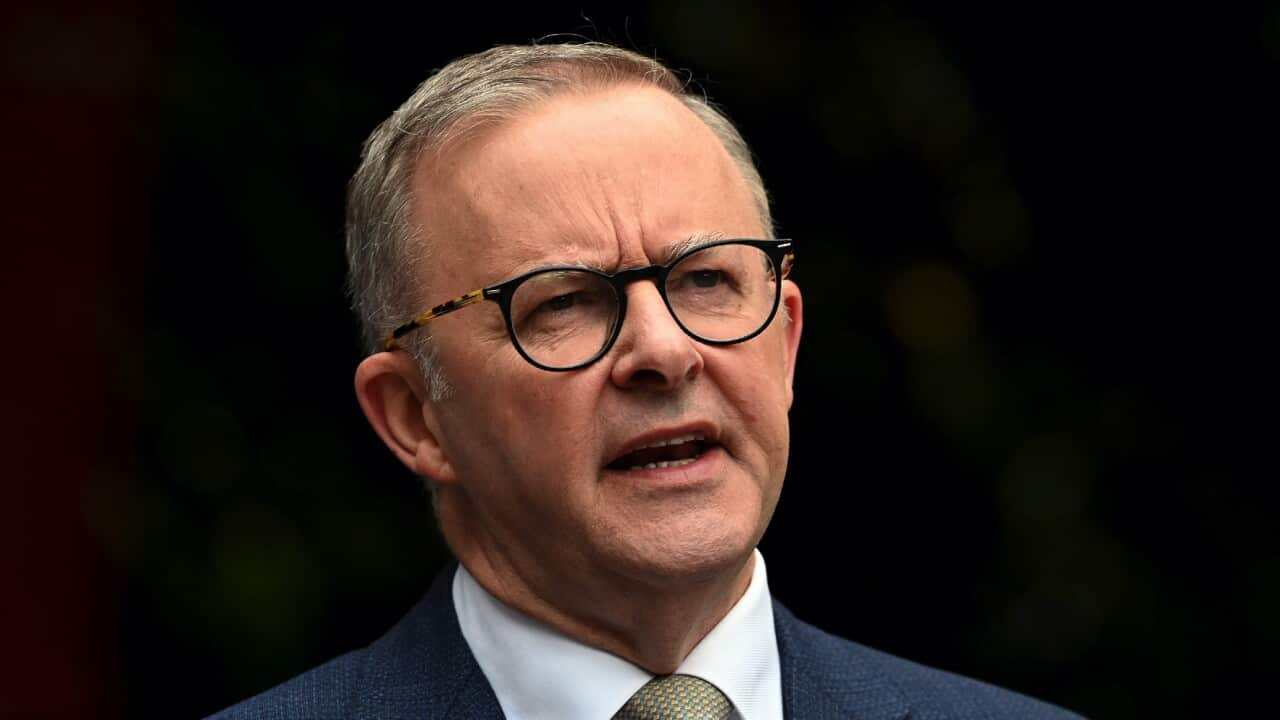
[674, 452]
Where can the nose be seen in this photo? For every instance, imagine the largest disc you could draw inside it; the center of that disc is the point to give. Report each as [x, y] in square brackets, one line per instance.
[652, 352]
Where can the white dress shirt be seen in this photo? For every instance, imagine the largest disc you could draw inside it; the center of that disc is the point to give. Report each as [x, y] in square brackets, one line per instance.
[539, 673]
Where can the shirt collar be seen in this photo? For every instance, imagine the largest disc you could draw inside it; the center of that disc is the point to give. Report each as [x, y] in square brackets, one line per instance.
[739, 656]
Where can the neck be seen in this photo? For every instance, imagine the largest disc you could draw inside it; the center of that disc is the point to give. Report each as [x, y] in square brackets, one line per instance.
[652, 622]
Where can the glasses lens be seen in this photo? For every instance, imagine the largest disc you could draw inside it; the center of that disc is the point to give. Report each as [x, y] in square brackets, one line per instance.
[562, 318]
[724, 292]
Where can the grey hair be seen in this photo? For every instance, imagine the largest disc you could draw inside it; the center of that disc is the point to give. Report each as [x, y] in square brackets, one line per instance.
[384, 246]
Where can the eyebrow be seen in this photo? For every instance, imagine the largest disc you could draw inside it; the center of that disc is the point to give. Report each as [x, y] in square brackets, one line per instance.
[693, 241]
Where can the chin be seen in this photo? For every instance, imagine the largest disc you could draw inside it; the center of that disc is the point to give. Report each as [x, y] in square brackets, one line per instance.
[689, 550]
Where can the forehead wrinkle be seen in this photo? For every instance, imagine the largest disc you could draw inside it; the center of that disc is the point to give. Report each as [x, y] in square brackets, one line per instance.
[572, 222]
[524, 252]
[540, 228]
[567, 203]
[563, 206]
[607, 202]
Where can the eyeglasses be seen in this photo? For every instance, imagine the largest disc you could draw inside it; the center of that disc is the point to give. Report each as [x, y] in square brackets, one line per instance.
[565, 317]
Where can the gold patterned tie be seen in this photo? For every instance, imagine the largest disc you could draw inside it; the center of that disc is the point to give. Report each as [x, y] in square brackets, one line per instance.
[676, 697]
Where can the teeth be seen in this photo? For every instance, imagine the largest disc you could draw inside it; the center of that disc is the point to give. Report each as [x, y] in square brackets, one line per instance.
[691, 437]
[663, 464]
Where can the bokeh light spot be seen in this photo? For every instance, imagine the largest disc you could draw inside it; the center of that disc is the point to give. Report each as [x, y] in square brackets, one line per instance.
[987, 218]
[931, 306]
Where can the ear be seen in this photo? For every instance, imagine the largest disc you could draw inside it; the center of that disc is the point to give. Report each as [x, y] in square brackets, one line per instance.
[396, 400]
[793, 307]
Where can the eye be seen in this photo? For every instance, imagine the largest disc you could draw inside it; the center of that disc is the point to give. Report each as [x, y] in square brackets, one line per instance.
[706, 278]
[560, 302]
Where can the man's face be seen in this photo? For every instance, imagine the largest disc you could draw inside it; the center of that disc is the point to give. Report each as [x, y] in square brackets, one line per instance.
[611, 179]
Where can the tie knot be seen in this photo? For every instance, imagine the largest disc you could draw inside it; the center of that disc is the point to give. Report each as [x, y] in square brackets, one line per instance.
[676, 697]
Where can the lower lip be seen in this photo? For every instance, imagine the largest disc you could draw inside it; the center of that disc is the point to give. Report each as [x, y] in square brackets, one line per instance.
[697, 472]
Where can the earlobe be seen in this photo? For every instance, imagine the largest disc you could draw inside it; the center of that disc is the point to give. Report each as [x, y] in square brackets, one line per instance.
[793, 306]
[394, 397]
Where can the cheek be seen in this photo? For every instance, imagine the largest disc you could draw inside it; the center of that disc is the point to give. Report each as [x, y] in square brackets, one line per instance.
[541, 424]
[759, 376]
[755, 386]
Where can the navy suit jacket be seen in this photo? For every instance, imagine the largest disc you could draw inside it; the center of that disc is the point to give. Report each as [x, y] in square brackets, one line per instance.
[423, 669]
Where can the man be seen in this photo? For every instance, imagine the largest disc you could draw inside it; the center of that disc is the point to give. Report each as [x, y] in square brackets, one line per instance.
[601, 409]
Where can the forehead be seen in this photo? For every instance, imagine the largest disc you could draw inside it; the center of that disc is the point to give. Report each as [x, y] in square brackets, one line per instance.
[609, 178]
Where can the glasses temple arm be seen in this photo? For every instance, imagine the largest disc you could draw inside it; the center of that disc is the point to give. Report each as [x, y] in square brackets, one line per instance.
[443, 308]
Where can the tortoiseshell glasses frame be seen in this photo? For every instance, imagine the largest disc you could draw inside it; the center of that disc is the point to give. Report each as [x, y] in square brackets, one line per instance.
[779, 252]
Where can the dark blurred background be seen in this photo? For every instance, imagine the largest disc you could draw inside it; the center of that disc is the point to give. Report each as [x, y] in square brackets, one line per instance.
[1029, 413]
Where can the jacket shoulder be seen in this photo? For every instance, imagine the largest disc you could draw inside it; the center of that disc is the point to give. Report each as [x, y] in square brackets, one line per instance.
[322, 692]
[940, 694]
[421, 668]
[929, 693]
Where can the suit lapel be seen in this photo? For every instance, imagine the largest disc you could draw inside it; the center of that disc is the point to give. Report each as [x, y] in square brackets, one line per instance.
[824, 677]
[423, 668]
